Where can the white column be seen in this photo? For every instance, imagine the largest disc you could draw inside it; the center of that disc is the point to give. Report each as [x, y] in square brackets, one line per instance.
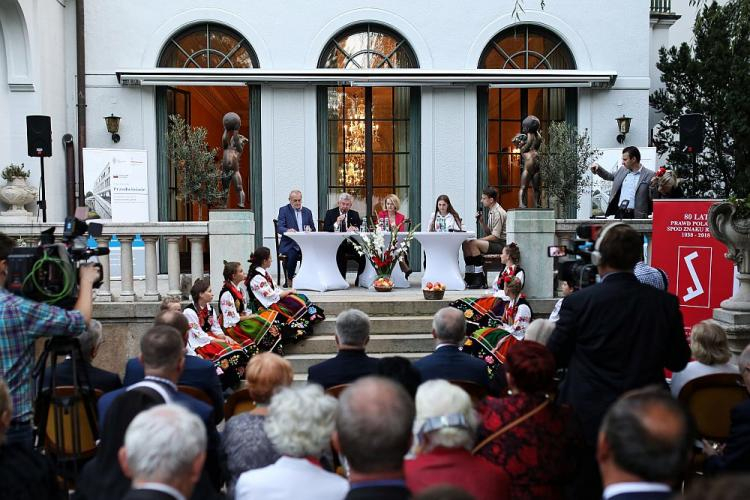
[173, 265]
[103, 293]
[152, 289]
[127, 294]
[196, 257]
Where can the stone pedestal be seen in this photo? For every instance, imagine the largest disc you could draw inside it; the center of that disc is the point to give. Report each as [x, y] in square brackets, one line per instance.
[231, 237]
[737, 326]
[534, 230]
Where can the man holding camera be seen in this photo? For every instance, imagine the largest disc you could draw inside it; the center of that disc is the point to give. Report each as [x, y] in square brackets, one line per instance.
[630, 197]
[22, 321]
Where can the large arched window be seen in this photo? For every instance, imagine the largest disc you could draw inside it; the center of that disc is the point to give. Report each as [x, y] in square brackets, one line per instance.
[208, 46]
[367, 133]
[501, 110]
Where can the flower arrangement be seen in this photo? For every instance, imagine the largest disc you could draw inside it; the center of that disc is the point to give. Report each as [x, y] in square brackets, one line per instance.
[382, 256]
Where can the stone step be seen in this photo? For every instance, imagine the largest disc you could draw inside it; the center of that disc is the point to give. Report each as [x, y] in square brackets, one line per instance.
[301, 362]
[383, 324]
[383, 343]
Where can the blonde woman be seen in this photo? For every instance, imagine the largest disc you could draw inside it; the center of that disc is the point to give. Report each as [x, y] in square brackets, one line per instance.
[710, 348]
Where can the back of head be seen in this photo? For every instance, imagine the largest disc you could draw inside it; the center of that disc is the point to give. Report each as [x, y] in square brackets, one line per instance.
[175, 319]
[163, 442]
[301, 420]
[265, 374]
[532, 367]
[449, 325]
[90, 340]
[620, 246]
[648, 435]
[445, 415]
[709, 343]
[353, 328]
[540, 330]
[374, 424]
[162, 348]
[401, 371]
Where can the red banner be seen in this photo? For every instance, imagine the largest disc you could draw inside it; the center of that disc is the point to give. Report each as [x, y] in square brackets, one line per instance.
[699, 274]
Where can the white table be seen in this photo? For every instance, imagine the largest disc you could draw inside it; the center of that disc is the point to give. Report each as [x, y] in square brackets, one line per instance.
[369, 275]
[441, 253]
[318, 270]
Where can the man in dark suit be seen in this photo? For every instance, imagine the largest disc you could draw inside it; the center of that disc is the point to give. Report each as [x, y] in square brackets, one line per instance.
[615, 336]
[163, 453]
[342, 219]
[198, 372]
[351, 362]
[447, 362]
[373, 431]
[630, 196]
[643, 446]
[90, 340]
[293, 217]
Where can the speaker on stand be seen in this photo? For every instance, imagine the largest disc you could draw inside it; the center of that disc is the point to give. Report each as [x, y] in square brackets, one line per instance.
[39, 140]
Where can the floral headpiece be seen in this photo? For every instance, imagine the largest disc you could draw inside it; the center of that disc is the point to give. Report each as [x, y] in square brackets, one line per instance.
[661, 171]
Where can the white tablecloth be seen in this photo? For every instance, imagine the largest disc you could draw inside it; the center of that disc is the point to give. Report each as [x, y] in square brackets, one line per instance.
[441, 254]
[318, 270]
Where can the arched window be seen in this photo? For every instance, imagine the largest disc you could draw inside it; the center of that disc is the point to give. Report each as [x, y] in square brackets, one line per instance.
[366, 132]
[501, 110]
[208, 46]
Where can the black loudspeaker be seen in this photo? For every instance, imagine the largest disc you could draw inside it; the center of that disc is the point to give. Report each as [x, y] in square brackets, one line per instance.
[39, 135]
[691, 132]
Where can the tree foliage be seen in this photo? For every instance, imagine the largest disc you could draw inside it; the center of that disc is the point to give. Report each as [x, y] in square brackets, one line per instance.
[198, 177]
[564, 160]
[711, 77]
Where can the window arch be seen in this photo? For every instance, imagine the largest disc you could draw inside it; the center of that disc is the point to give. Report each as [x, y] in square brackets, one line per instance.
[208, 45]
[368, 46]
[526, 47]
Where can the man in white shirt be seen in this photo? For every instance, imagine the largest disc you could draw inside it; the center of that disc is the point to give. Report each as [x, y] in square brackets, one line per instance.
[629, 198]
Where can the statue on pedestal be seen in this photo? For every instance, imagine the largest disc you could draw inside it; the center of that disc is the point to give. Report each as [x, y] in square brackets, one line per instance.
[529, 141]
[233, 143]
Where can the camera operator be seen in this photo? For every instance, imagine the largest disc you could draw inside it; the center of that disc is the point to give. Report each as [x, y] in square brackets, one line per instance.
[22, 321]
[613, 337]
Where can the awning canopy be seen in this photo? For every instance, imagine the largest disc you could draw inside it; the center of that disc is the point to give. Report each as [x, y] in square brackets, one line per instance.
[369, 77]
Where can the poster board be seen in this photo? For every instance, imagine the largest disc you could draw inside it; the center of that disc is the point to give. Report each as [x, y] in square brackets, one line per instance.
[116, 184]
[611, 160]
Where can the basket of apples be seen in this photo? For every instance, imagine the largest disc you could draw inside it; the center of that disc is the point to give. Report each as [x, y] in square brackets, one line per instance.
[433, 290]
[383, 284]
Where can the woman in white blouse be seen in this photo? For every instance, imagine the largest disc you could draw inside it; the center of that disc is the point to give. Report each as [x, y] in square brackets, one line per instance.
[207, 340]
[444, 218]
[296, 314]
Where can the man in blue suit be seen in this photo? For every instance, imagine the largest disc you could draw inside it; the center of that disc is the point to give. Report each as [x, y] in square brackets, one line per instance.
[447, 362]
[293, 217]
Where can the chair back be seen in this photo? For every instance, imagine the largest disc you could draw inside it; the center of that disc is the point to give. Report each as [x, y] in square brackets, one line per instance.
[336, 390]
[280, 257]
[198, 394]
[239, 402]
[71, 427]
[476, 391]
[710, 400]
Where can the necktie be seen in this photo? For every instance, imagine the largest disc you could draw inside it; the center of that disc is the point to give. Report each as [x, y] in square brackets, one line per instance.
[298, 214]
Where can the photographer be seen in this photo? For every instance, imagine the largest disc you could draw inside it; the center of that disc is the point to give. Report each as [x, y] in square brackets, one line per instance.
[614, 336]
[22, 321]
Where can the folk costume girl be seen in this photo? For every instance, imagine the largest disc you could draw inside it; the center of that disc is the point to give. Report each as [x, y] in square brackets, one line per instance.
[487, 311]
[257, 331]
[207, 340]
[296, 314]
[492, 344]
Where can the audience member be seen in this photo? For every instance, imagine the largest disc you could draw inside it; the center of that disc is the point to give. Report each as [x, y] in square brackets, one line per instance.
[569, 283]
[24, 321]
[445, 426]
[198, 372]
[710, 348]
[630, 198]
[401, 371]
[650, 275]
[90, 341]
[526, 434]
[540, 330]
[735, 456]
[245, 441]
[493, 242]
[665, 185]
[293, 218]
[163, 453]
[24, 473]
[724, 487]
[351, 362]
[444, 218]
[171, 303]
[343, 219]
[643, 446]
[299, 424]
[373, 433]
[448, 362]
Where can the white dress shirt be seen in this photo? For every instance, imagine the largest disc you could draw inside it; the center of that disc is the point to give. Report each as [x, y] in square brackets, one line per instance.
[291, 478]
[636, 487]
[629, 187]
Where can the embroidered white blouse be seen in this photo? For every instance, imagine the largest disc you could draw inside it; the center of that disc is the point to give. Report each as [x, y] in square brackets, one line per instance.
[266, 293]
[196, 336]
[228, 310]
[446, 221]
[521, 321]
[497, 289]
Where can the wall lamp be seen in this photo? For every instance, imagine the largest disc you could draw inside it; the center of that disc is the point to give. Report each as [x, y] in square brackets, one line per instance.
[113, 126]
[623, 126]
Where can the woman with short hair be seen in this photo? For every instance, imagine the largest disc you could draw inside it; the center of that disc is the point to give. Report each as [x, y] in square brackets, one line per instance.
[390, 217]
[710, 348]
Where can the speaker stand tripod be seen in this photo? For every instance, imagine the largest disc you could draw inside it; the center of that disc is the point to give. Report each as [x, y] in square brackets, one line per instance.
[42, 202]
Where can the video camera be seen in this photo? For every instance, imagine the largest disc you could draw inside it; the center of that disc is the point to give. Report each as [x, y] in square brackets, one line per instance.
[49, 272]
[580, 270]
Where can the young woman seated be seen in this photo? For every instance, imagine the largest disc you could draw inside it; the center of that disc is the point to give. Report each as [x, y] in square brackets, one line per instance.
[444, 218]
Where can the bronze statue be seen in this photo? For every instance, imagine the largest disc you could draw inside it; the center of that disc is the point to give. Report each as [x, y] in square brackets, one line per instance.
[529, 141]
[233, 143]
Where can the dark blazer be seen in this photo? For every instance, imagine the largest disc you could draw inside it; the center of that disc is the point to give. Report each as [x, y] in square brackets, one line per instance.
[449, 363]
[100, 379]
[642, 191]
[352, 219]
[344, 368]
[146, 494]
[287, 220]
[379, 493]
[644, 495]
[199, 373]
[736, 456]
[615, 336]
